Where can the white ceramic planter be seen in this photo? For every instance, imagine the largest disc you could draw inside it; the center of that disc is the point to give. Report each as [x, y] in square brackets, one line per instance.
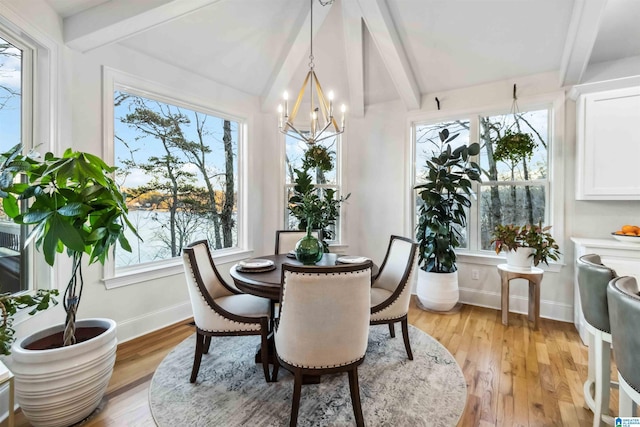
[438, 291]
[521, 259]
[59, 387]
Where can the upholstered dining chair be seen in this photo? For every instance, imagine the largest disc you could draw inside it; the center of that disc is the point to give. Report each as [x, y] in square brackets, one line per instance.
[219, 309]
[286, 239]
[391, 291]
[624, 313]
[323, 326]
[593, 278]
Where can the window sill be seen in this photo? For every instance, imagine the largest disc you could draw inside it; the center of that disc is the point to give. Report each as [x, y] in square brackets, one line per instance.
[155, 270]
[488, 259]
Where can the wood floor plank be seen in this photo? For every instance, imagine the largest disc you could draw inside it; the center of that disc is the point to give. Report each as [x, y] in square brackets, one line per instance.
[516, 376]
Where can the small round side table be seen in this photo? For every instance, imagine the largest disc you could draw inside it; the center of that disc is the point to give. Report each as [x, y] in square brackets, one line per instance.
[534, 276]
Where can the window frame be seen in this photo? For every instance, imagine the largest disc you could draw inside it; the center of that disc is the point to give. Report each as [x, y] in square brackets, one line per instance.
[118, 80]
[339, 186]
[555, 103]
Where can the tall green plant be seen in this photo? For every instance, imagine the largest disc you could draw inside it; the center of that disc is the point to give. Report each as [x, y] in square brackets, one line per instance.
[74, 205]
[445, 196]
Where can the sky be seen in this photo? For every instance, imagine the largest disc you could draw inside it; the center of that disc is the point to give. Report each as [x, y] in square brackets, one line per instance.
[10, 77]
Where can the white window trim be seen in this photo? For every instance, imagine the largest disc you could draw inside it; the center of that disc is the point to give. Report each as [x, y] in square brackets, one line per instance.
[553, 100]
[44, 121]
[113, 80]
[339, 246]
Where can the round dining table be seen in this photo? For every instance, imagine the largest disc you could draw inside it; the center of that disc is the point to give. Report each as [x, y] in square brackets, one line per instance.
[267, 284]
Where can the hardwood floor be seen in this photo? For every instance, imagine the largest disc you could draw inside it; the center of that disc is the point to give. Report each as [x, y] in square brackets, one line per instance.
[515, 376]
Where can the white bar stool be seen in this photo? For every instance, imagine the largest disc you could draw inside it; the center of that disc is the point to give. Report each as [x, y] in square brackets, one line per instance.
[593, 278]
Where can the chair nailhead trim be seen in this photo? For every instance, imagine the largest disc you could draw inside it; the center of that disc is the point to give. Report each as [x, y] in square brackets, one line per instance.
[321, 367]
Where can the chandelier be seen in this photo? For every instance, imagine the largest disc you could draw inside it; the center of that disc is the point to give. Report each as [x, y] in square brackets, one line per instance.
[322, 123]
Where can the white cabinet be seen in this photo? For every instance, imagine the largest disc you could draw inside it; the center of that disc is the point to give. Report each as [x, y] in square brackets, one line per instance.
[623, 257]
[608, 134]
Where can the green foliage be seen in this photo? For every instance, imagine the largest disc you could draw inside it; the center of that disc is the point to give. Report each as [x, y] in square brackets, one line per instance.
[318, 156]
[513, 147]
[313, 207]
[9, 304]
[446, 195]
[511, 237]
[74, 205]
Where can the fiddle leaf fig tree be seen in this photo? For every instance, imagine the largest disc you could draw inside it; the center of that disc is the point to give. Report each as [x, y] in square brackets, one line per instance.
[445, 196]
[74, 205]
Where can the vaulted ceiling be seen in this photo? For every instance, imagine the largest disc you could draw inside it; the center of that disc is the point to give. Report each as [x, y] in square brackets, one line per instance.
[367, 51]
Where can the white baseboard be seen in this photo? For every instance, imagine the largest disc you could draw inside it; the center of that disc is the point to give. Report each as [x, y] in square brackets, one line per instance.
[517, 304]
[149, 322]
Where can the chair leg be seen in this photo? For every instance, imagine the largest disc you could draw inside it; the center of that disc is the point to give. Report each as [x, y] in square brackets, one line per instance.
[392, 330]
[207, 344]
[276, 368]
[197, 358]
[625, 403]
[264, 354]
[405, 336]
[295, 402]
[603, 379]
[354, 388]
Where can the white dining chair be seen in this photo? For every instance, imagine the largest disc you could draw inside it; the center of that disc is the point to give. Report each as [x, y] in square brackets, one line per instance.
[219, 309]
[323, 326]
[286, 239]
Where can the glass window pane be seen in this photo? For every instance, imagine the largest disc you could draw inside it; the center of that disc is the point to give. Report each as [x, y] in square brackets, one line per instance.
[179, 168]
[515, 159]
[428, 141]
[510, 204]
[13, 258]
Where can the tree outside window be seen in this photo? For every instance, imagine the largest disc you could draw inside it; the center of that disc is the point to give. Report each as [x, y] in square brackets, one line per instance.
[514, 161]
[179, 169]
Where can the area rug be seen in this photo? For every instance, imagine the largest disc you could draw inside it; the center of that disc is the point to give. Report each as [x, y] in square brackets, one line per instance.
[231, 390]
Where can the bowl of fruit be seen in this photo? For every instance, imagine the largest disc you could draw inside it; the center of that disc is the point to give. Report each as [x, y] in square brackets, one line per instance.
[628, 233]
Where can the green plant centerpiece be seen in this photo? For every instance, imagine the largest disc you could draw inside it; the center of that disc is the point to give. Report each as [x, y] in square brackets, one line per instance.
[446, 194]
[313, 207]
[74, 204]
[510, 237]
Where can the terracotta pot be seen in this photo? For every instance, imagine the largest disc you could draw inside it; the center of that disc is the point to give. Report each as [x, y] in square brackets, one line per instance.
[60, 386]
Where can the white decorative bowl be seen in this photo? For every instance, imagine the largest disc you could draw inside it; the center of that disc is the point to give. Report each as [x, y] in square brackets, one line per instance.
[625, 238]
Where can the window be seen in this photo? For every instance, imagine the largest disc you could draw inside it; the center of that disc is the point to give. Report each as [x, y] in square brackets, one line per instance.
[15, 122]
[178, 166]
[515, 184]
[515, 181]
[323, 180]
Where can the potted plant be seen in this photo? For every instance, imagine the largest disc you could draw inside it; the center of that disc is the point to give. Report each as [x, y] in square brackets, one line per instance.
[535, 244]
[445, 196]
[312, 210]
[74, 206]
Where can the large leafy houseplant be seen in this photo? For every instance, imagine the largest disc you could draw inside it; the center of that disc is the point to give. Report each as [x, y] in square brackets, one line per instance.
[73, 205]
[446, 194]
[511, 237]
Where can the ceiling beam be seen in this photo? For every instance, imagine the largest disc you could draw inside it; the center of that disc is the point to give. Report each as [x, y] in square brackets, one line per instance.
[385, 36]
[354, 53]
[295, 51]
[115, 20]
[581, 36]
